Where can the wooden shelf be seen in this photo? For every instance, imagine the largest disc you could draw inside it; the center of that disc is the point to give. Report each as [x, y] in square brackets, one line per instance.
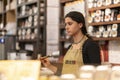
[104, 7]
[1, 13]
[32, 27]
[62, 26]
[94, 38]
[10, 10]
[104, 23]
[28, 3]
[64, 1]
[115, 64]
[3, 30]
[26, 40]
[64, 40]
[10, 35]
[103, 39]
[4, 12]
[25, 16]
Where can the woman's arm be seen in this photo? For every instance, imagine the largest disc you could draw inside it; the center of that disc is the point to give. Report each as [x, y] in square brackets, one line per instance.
[48, 65]
[92, 53]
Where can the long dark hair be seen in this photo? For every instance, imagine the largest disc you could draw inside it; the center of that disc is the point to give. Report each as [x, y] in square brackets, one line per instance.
[79, 18]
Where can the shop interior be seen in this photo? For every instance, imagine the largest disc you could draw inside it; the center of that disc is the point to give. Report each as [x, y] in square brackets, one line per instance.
[30, 29]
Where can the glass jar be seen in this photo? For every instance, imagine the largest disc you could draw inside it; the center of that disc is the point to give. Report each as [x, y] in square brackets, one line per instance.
[86, 72]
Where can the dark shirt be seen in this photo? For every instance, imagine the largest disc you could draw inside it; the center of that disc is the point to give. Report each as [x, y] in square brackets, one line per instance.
[91, 52]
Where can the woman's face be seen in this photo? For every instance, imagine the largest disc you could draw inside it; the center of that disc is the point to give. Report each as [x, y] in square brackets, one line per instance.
[71, 26]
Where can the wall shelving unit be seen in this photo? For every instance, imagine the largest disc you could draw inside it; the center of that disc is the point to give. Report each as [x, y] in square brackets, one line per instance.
[104, 41]
[31, 26]
[104, 7]
[7, 43]
[104, 23]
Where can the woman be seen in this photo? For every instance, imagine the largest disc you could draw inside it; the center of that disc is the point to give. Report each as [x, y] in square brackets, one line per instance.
[82, 51]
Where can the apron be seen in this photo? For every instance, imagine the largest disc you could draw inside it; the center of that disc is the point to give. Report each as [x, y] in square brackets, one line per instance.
[73, 59]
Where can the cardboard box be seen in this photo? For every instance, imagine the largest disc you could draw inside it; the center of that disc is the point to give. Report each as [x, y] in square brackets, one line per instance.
[11, 16]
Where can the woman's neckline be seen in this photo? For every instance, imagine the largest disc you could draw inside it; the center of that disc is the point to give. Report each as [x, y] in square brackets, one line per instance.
[79, 40]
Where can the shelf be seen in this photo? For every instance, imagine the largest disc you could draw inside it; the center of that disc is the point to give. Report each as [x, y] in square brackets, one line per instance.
[115, 64]
[103, 39]
[4, 12]
[10, 35]
[25, 16]
[62, 26]
[104, 7]
[39, 45]
[64, 1]
[27, 3]
[94, 38]
[34, 40]
[3, 30]
[32, 27]
[64, 40]
[104, 23]
[1, 13]
[10, 10]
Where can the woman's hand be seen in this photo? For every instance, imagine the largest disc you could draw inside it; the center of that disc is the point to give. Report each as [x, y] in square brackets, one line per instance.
[45, 61]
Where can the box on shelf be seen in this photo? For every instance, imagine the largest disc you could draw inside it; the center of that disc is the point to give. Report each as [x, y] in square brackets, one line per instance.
[11, 16]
